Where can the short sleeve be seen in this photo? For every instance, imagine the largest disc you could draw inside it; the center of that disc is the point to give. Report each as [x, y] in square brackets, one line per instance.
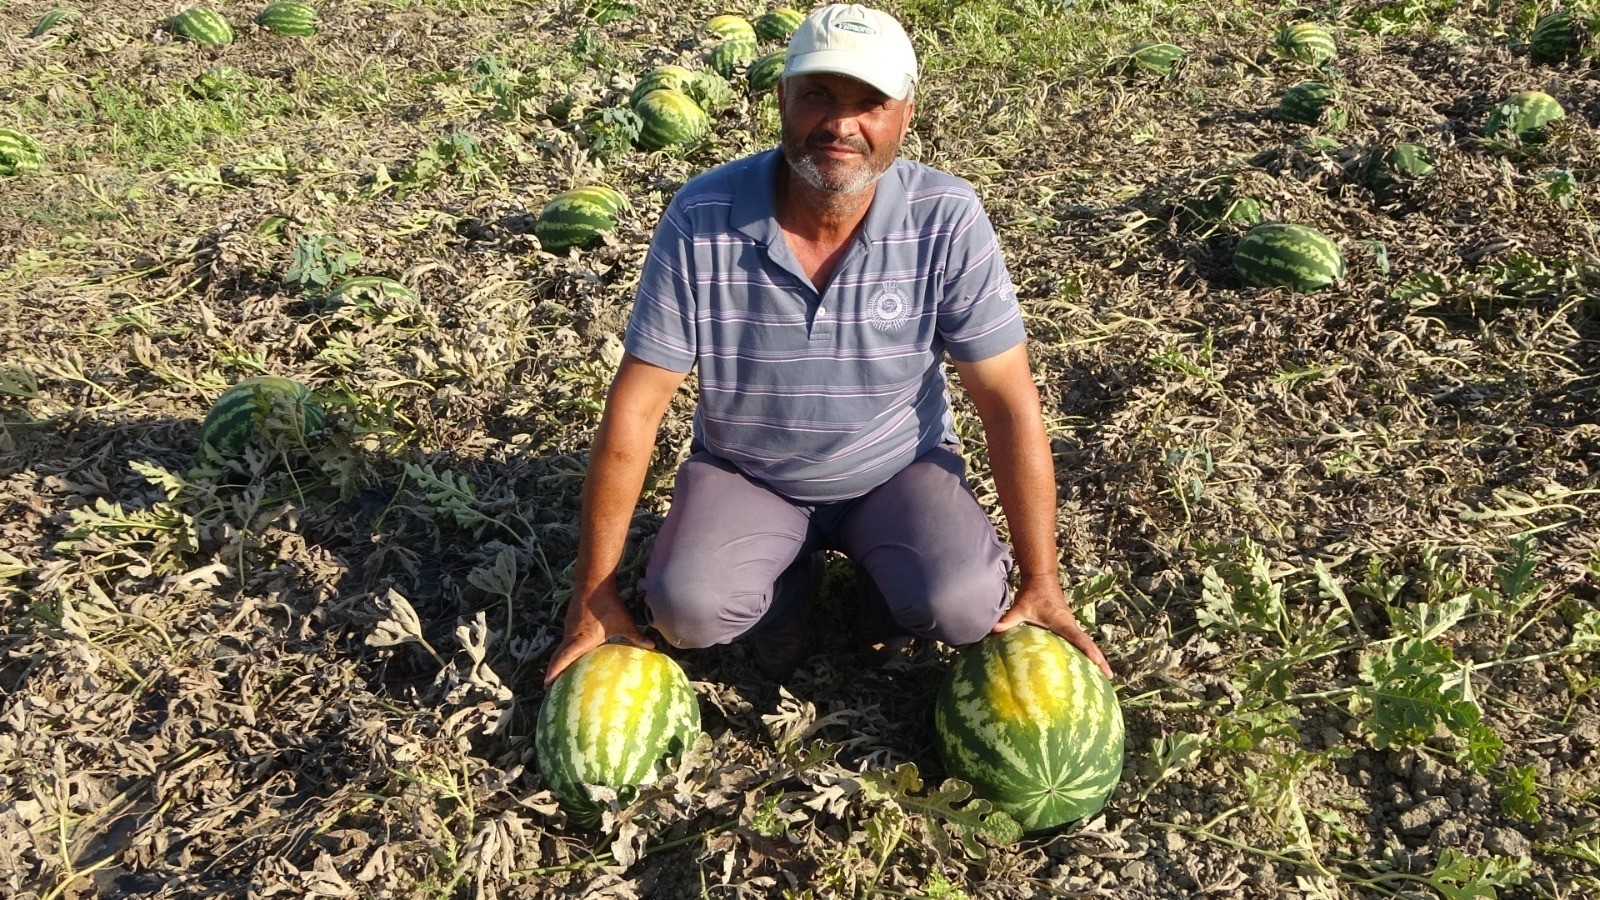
[978, 312]
[661, 330]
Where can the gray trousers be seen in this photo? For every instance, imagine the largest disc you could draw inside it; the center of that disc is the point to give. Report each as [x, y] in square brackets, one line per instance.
[726, 557]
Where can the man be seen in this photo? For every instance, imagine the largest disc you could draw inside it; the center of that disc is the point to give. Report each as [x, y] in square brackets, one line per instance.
[818, 287]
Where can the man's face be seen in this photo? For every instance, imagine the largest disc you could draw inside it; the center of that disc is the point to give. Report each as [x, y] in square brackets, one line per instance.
[840, 134]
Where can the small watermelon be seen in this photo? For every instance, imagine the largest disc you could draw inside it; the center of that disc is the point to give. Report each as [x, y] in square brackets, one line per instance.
[1556, 37]
[366, 291]
[234, 420]
[1156, 58]
[1276, 254]
[1032, 725]
[19, 153]
[668, 77]
[765, 73]
[730, 28]
[610, 719]
[1523, 117]
[1312, 103]
[778, 24]
[218, 81]
[289, 17]
[578, 218]
[727, 56]
[1305, 42]
[59, 17]
[203, 26]
[670, 117]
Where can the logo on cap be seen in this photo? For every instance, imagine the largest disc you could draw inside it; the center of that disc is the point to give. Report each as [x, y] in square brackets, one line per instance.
[857, 27]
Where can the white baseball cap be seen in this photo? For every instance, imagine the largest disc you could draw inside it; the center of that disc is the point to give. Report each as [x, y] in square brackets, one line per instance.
[865, 44]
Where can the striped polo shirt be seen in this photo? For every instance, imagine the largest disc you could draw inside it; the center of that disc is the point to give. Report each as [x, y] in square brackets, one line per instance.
[822, 396]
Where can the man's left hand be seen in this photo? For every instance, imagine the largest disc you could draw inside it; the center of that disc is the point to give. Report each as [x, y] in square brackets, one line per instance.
[1044, 604]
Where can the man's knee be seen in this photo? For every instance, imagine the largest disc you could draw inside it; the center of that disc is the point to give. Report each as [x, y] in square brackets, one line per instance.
[957, 609]
[695, 609]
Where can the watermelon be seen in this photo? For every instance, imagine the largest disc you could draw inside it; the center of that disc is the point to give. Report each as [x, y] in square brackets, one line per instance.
[217, 82]
[727, 56]
[670, 117]
[1312, 103]
[1556, 37]
[366, 291]
[1216, 204]
[55, 18]
[578, 217]
[778, 24]
[765, 73]
[668, 77]
[710, 90]
[1305, 42]
[1276, 254]
[731, 28]
[1156, 58]
[1523, 117]
[234, 420]
[203, 26]
[289, 17]
[19, 153]
[1032, 725]
[610, 719]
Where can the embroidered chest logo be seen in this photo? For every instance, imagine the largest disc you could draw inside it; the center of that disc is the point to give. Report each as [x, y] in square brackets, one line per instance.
[890, 308]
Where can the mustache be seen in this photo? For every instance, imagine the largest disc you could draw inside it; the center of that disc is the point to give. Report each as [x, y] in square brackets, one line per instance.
[822, 139]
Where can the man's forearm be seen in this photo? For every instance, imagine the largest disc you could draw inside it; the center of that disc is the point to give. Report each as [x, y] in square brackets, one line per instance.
[1024, 475]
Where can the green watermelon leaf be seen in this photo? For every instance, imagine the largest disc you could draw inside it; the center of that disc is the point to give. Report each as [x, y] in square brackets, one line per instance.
[977, 818]
[1406, 685]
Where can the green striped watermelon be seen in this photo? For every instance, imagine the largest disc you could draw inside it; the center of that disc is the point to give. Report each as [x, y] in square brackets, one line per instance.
[1032, 725]
[289, 17]
[1556, 37]
[610, 719]
[19, 153]
[578, 217]
[1277, 254]
[367, 291]
[235, 420]
[778, 24]
[765, 73]
[1523, 117]
[203, 26]
[1305, 42]
[668, 78]
[670, 117]
[725, 57]
[1156, 58]
[1312, 103]
[731, 28]
[55, 18]
[218, 81]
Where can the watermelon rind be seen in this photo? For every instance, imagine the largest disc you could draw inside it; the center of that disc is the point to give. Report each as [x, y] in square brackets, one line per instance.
[670, 117]
[1312, 103]
[290, 18]
[1032, 725]
[235, 419]
[1523, 117]
[203, 26]
[1278, 254]
[19, 152]
[778, 24]
[610, 719]
[1305, 42]
[725, 57]
[730, 27]
[53, 19]
[578, 218]
[1155, 58]
[765, 73]
[668, 78]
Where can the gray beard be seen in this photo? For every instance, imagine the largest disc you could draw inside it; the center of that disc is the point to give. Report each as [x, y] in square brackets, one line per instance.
[801, 164]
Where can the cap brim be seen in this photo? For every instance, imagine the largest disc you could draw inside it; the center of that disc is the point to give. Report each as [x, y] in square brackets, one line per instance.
[837, 62]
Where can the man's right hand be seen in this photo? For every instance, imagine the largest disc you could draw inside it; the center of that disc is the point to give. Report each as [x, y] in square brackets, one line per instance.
[592, 620]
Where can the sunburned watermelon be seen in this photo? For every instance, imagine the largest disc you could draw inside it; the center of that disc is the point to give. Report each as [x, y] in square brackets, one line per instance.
[670, 117]
[203, 26]
[578, 218]
[1305, 42]
[610, 719]
[1523, 117]
[1276, 254]
[661, 78]
[1032, 725]
[731, 28]
[19, 152]
[289, 17]
[778, 24]
[237, 418]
